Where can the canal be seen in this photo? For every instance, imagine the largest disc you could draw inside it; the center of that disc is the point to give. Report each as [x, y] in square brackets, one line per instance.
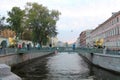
[62, 66]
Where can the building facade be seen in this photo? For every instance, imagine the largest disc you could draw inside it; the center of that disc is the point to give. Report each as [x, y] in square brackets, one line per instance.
[88, 38]
[85, 38]
[7, 33]
[108, 32]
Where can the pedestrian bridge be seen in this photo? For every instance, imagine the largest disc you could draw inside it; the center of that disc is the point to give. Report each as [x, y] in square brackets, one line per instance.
[58, 49]
[11, 56]
[50, 49]
[70, 49]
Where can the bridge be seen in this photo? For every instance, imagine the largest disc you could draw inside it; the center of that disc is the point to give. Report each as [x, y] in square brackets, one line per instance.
[12, 56]
[52, 49]
[67, 49]
[58, 49]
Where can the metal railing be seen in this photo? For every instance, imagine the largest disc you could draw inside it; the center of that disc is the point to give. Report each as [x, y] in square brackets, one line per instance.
[59, 49]
[113, 52]
[8, 50]
[24, 50]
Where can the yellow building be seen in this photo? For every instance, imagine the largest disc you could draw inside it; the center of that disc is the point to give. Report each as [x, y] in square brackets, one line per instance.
[7, 33]
[9, 36]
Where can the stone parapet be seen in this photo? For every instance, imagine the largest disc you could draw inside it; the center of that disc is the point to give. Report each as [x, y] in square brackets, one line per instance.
[6, 74]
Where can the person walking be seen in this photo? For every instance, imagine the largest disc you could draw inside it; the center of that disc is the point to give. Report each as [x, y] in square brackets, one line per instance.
[73, 46]
[19, 46]
[28, 47]
[0, 49]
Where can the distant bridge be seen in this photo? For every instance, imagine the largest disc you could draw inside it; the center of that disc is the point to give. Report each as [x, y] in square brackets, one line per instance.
[58, 49]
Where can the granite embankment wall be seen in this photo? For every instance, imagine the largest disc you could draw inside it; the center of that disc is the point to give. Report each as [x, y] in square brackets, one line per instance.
[109, 62]
[12, 59]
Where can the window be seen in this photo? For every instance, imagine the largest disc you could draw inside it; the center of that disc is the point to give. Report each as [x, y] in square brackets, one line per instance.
[118, 29]
[113, 31]
[112, 22]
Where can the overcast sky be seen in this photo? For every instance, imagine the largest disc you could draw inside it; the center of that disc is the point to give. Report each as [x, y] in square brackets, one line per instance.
[76, 15]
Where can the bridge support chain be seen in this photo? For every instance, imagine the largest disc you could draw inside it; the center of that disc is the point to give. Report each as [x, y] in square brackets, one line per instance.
[6, 74]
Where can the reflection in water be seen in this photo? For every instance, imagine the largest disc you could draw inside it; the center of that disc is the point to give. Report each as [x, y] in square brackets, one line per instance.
[102, 74]
[66, 66]
[61, 66]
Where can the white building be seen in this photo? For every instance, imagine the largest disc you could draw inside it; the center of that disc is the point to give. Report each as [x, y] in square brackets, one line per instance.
[60, 44]
[54, 41]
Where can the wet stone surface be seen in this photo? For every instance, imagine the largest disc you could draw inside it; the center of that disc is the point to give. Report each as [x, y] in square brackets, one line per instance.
[61, 66]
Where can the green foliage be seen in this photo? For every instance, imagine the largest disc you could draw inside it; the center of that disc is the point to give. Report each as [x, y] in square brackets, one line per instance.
[27, 35]
[36, 22]
[2, 19]
[15, 20]
[42, 21]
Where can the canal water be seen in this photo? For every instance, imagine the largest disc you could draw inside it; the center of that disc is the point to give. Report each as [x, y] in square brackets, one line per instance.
[101, 74]
[60, 66]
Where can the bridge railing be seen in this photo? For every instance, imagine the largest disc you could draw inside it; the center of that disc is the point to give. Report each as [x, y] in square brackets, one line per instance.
[35, 50]
[90, 50]
[101, 51]
[59, 49]
[113, 52]
[8, 50]
[48, 49]
[24, 50]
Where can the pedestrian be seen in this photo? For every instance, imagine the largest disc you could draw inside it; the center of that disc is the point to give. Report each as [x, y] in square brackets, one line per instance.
[50, 45]
[39, 46]
[23, 45]
[19, 46]
[4, 45]
[0, 49]
[28, 47]
[73, 46]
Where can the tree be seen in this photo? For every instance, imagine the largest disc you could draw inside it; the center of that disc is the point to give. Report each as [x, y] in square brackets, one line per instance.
[15, 20]
[2, 22]
[27, 35]
[42, 21]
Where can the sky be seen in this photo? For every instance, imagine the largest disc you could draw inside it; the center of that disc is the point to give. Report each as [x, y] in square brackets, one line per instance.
[76, 15]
